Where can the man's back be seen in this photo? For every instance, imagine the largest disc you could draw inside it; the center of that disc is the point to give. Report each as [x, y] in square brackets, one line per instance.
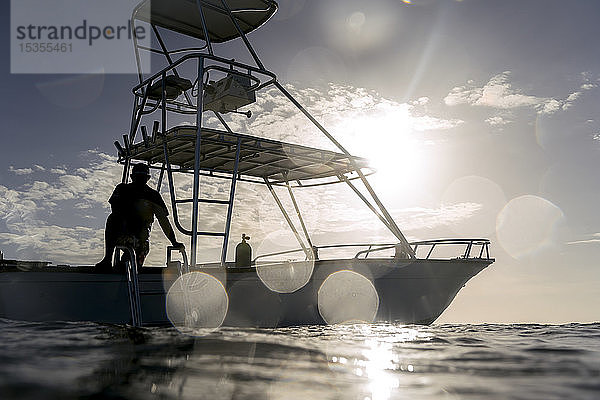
[137, 204]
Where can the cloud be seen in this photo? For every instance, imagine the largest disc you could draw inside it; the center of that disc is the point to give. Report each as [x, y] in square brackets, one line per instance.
[499, 93]
[421, 101]
[429, 218]
[573, 96]
[349, 113]
[41, 217]
[497, 120]
[587, 241]
[591, 239]
[20, 171]
[60, 215]
[576, 95]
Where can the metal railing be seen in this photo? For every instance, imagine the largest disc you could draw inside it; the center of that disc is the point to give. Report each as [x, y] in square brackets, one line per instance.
[133, 286]
[470, 244]
[182, 268]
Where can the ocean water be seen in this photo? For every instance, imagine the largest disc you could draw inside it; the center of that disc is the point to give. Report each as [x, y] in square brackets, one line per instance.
[376, 361]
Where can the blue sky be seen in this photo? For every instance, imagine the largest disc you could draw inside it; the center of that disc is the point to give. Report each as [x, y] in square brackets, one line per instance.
[488, 109]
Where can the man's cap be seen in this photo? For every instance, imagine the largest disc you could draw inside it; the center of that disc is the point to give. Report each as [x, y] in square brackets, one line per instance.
[140, 169]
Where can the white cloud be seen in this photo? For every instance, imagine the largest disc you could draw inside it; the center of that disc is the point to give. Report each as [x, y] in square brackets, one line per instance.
[587, 241]
[20, 171]
[576, 95]
[28, 212]
[347, 112]
[497, 120]
[573, 96]
[421, 101]
[570, 99]
[551, 106]
[591, 239]
[429, 218]
[499, 93]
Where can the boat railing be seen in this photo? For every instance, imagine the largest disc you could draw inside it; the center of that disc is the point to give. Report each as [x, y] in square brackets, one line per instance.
[182, 267]
[474, 248]
[470, 249]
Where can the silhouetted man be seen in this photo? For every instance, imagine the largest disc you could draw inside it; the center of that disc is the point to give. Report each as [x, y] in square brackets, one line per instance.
[134, 206]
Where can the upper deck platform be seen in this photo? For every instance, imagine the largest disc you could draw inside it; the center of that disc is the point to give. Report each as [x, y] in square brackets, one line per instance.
[259, 157]
[182, 16]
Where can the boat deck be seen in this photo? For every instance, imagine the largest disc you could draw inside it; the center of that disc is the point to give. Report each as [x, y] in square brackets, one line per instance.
[259, 158]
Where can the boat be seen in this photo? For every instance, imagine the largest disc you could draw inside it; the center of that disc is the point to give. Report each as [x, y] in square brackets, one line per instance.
[399, 281]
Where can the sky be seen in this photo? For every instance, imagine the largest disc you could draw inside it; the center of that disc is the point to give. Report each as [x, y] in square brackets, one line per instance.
[480, 116]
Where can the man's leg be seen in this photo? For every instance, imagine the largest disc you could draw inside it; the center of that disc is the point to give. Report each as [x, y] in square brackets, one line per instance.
[141, 251]
[111, 233]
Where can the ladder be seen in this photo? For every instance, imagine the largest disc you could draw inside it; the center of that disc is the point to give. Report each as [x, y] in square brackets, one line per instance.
[133, 286]
[194, 233]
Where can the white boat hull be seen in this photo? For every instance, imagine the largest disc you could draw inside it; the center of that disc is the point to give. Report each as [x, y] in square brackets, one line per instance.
[408, 291]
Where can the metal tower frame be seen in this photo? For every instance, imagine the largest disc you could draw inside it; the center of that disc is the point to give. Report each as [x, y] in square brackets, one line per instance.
[190, 149]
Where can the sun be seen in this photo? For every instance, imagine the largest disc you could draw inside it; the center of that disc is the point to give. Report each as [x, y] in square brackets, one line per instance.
[386, 136]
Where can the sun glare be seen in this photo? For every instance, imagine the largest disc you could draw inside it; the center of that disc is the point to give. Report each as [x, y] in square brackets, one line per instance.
[387, 138]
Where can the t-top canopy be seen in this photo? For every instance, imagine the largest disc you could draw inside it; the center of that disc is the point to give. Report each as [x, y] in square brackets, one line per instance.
[182, 16]
[259, 157]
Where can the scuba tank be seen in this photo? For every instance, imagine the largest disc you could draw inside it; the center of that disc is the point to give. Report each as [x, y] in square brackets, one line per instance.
[243, 253]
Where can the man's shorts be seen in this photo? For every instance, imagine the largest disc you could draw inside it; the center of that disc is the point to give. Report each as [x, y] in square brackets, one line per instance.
[141, 247]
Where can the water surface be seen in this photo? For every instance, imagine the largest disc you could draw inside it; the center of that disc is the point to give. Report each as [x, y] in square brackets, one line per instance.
[377, 361]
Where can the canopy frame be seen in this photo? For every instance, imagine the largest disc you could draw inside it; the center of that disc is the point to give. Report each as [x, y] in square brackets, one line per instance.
[223, 154]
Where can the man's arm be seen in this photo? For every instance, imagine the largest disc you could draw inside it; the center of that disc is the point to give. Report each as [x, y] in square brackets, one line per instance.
[166, 227]
[161, 212]
[118, 198]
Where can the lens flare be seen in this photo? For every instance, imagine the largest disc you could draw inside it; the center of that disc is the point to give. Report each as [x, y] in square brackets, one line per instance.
[526, 224]
[197, 303]
[347, 297]
[286, 276]
[356, 21]
[484, 196]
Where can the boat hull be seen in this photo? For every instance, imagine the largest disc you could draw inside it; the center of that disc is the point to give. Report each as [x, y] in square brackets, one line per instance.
[407, 291]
